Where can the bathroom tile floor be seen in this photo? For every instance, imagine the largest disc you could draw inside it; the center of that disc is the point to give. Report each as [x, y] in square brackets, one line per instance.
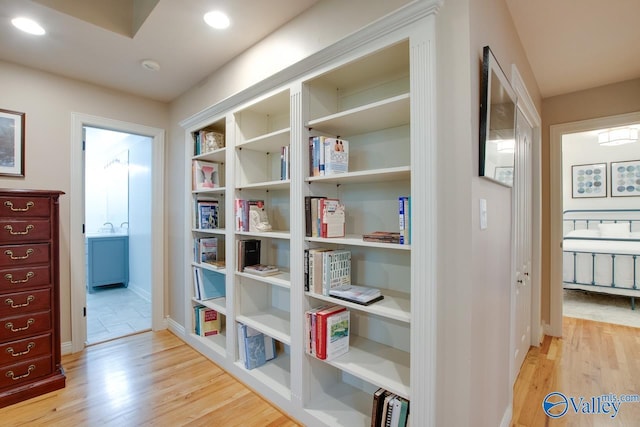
[115, 311]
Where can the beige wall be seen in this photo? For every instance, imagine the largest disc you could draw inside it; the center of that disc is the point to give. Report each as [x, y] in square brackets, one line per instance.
[609, 100]
[474, 291]
[48, 101]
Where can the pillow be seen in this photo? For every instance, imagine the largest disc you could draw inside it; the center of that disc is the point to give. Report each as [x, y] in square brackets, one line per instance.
[583, 233]
[614, 230]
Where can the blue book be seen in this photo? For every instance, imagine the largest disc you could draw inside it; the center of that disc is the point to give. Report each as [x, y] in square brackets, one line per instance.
[211, 284]
[258, 348]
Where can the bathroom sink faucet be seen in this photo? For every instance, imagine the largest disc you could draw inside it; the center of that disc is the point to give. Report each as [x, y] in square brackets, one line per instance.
[111, 225]
[122, 225]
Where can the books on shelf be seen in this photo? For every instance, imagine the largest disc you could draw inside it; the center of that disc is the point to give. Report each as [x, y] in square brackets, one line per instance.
[205, 175]
[251, 215]
[328, 156]
[327, 331]
[389, 410]
[363, 295]
[325, 269]
[404, 217]
[208, 284]
[332, 218]
[255, 348]
[207, 141]
[262, 269]
[248, 253]
[285, 163]
[207, 212]
[312, 216]
[208, 250]
[382, 237]
[207, 321]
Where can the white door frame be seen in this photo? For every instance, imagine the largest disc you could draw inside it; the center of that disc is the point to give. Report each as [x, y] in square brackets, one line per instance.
[555, 239]
[76, 236]
[526, 106]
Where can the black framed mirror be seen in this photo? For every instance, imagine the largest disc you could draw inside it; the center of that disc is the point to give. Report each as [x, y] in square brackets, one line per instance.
[497, 122]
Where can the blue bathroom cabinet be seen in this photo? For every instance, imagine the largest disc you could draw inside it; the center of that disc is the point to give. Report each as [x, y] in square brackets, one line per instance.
[107, 261]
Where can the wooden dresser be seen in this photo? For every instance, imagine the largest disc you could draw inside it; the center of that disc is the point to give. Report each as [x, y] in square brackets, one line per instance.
[29, 295]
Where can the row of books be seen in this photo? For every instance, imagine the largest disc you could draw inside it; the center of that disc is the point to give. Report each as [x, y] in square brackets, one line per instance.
[326, 269]
[404, 215]
[389, 410]
[251, 215]
[324, 217]
[207, 250]
[328, 156]
[285, 163]
[207, 214]
[206, 175]
[206, 141]
[208, 321]
[327, 332]
[208, 284]
[255, 348]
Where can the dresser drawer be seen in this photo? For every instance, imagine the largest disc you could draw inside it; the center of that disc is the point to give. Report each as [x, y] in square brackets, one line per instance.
[12, 328]
[28, 348]
[17, 279]
[25, 372]
[22, 231]
[17, 255]
[21, 206]
[17, 303]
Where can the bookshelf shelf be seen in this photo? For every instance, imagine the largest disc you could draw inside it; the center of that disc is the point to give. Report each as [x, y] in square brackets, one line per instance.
[396, 307]
[376, 363]
[384, 114]
[272, 322]
[375, 90]
[282, 279]
[218, 304]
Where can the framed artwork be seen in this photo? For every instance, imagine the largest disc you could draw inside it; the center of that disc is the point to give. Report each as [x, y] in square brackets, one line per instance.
[589, 180]
[625, 178]
[11, 143]
[504, 174]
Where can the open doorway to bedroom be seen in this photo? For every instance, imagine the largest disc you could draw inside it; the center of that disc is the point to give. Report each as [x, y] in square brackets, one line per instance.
[601, 224]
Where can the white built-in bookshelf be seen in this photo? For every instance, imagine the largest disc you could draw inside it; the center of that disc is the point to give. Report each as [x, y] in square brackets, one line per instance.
[374, 89]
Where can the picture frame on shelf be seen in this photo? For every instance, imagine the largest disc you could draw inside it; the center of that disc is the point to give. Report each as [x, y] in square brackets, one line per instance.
[589, 181]
[12, 125]
[625, 178]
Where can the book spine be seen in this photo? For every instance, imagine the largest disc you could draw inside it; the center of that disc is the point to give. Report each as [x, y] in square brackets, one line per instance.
[326, 272]
[306, 270]
[407, 216]
[307, 216]
[321, 154]
[401, 220]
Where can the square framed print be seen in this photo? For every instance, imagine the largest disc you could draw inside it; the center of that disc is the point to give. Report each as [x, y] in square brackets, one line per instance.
[589, 180]
[625, 178]
[11, 143]
[504, 174]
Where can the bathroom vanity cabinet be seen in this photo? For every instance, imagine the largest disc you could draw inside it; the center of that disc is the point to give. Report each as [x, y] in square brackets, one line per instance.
[107, 260]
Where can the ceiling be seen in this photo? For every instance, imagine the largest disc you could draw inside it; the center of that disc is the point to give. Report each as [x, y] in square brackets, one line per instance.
[571, 44]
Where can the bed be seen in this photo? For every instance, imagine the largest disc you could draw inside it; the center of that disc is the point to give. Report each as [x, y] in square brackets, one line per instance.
[601, 251]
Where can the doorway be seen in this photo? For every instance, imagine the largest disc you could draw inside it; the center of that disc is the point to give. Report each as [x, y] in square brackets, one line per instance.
[117, 233]
[135, 156]
[557, 203]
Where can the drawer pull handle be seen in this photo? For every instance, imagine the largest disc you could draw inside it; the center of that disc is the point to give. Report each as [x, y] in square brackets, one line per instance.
[18, 233]
[9, 253]
[9, 302]
[9, 277]
[11, 375]
[28, 206]
[9, 325]
[30, 347]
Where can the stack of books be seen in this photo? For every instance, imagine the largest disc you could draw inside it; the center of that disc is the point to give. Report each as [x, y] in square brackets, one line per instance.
[327, 332]
[328, 156]
[389, 410]
[255, 348]
[208, 284]
[248, 253]
[326, 269]
[324, 217]
[207, 321]
[207, 214]
[207, 141]
[207, 250]
[382, 237]
[262, 269]
[362, 295]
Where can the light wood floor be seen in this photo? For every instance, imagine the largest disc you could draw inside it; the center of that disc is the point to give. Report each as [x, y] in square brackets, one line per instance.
[591, 359]
[150, 379]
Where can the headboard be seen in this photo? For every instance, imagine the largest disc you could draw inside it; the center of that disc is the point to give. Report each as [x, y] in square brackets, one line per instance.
[588, 219]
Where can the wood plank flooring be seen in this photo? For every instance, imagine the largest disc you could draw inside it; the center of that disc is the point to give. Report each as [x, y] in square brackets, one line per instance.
[591, 359]
[149, 379]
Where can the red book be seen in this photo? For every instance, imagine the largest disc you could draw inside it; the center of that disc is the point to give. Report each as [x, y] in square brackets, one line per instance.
[321, 329]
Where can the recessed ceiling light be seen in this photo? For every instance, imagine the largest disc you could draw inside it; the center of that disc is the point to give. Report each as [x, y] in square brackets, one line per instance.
[151, 65]
[217, 19]
[28, 26]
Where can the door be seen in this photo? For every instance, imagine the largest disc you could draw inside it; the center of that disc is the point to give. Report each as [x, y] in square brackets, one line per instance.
[522, 234]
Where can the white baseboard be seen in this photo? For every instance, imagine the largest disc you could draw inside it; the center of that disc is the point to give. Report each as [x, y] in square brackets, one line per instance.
[175, 327]
[66, 348]
[506, 418]
[143, 293]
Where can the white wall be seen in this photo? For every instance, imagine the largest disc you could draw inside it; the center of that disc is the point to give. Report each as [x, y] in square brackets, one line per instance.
[583, 148]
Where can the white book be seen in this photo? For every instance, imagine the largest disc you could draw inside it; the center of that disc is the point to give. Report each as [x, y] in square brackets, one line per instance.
[336, 155]
[337, 334]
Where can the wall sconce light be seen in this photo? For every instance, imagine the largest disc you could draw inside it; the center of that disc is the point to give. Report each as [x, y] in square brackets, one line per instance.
[618, 136]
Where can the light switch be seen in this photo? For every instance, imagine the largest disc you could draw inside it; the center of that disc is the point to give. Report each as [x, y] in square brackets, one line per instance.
[483, 214]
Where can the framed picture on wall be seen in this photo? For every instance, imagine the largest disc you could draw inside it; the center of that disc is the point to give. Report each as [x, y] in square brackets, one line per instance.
[589, 180]
[504, 174]
[625, 178]
[11, 143]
